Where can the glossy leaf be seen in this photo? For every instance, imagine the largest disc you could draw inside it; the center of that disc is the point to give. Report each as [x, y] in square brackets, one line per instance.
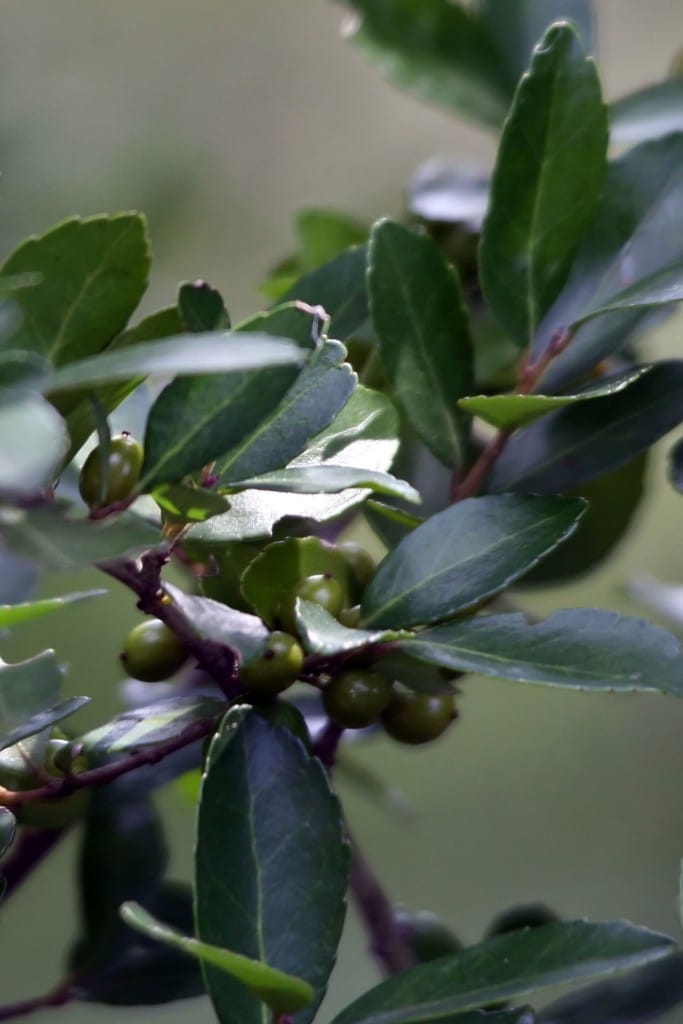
[294, 320]
[8, 828]
[648, 113]
[339, 287]
[184, 356]
[581, 648]
[464, 555]
[30, 698]
[285, 904]
[326, 479]
[662, 288]
[280, 991]
[40, 442]
[634, 234]
[506, 967]
[51, 538]
[510, 412]
[319, 392]
[15, 614]
[419, 315]
[363, 435]
[547, 180]
[322, 634]
[581, 442]
[202, 309]
[389, 524]
[182, 503]
[323, 234]
[93, 273]
[438, 51]
[213, 621]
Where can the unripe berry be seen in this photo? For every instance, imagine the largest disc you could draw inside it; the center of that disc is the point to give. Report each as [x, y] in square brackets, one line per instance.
[124, 463]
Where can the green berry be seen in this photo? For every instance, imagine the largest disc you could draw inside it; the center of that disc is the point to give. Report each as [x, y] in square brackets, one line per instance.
[361, 564]
[322, 589]
[526, 915]
[428, 937]
[277, 668]
[124, 463]
[355, 699]
[418, 717]
[151, 652]
[350, 617]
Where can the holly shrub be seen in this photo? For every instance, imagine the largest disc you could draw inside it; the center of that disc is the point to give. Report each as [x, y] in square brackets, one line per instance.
[466, 381]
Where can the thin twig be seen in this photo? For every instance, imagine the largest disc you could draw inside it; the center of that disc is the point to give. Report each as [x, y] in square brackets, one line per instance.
[59, 996]
[30, 849]
[325, 747]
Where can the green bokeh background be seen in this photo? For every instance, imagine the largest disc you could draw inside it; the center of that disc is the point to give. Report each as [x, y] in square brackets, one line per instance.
[220, 120]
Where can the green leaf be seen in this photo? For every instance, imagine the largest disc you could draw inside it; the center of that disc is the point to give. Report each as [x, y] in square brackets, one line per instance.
[662, 288]
[326, 479]
[323, 234]
[507, 967]
[547, 180]
[213, 621]
[648, 113]
[363, 435]
[15, 614]
[22, 368]
[294, 320]
[510, 412]
[419, 315]
[184, 356]
[517, 25]
[464, 555]
[321, 633]
[30, 698]
[8, 828]
[319, 392]
[634, 234]
[273, 574]
[676, 466]
[339, 287]
[40, 442]
[202, 309]
[52, 538]
[146, 726]
[285, 905]
[93, 273]
[436, 50]
[389, 524]
[280, 991]
[581, 442]
[580, 648]
[182, 503]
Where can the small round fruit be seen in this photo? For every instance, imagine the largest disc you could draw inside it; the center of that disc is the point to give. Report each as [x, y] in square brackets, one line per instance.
[124, 463]
[152, 653]
[322, 589]
[428, 937]
[526, 915]
[360, 562]
[277, 668]
[356, 698]
[418, 717]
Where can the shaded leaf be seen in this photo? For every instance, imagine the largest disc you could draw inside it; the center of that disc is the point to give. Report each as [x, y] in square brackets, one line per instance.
[419, 315]
[389, 524]
[201, 308]
[323, 234]
[662, 288]
[213, 621]
[582, 648]
[13, 615]
[327, 479]
[464, 555]
[339, 287]
[509, 412]
[321, 633]
[581, 442]
[676, 466]
[30, 698]
[182, 503]
[294, 320]
[547, 180]
[285, 905]
[40, 442]
[280, 991]
[648, 113]
[93, 273]
[505, 967]
[8, 828]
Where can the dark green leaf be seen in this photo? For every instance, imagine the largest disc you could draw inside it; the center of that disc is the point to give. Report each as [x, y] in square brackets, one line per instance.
[323, 234]
[390, 524]
[662, 288]
[8, 828]
[294, 320]
[327, 479]
[319, 392]
[268, 885]
[13, 615]
[201, 308]
[21, 367]
[280, 991]
[582, 648]
[182, 503]
[419, 315]
[339, 287]
[50, 538]
[184, 356]
[634, 234]
[321, 633]
[449, 193]
[40, 442]
[93, 273]
[464, 555]
[510, 412]
[437, 50]
[676, 466]
[581, 442]
[517, 25]
[648, 113]
[363, 435]
[214, 621]
[507, 967]
[547, 180]
[30, 698]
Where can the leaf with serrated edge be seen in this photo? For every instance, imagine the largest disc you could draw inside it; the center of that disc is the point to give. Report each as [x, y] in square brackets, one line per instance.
[267, 885]
[280, 991]
[464, 555]
[506, 967]
[579, 648]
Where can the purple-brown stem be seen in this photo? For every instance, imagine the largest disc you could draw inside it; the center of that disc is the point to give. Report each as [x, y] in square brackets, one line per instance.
[31, 847]
[59, 996]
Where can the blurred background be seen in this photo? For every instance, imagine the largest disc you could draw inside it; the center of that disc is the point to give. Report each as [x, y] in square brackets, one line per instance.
[220, 120]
